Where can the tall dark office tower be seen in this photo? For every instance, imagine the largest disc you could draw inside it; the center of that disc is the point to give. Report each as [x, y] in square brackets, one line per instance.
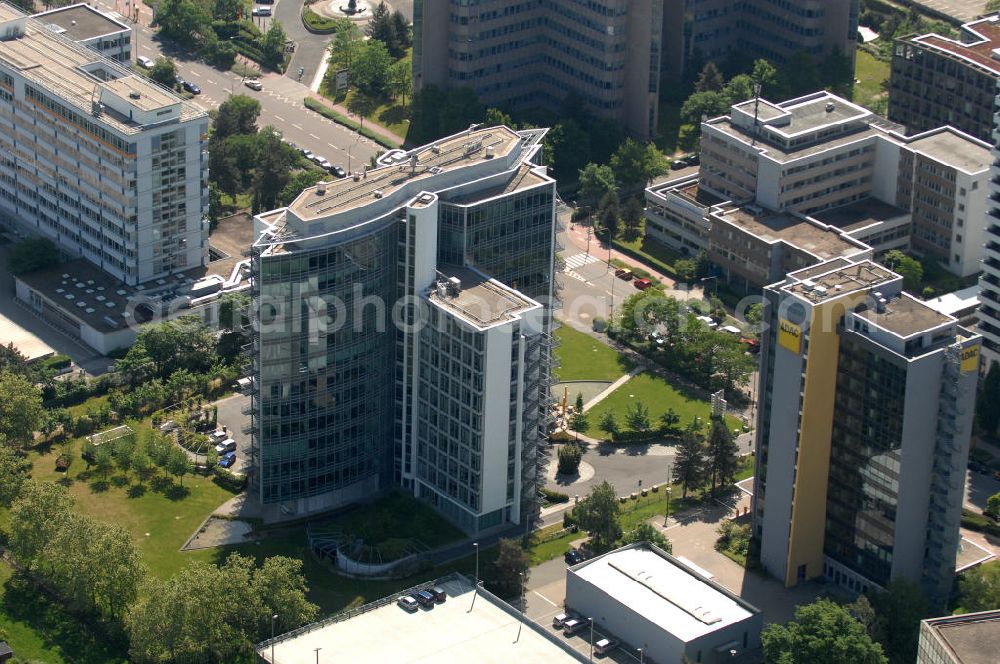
[403, 332]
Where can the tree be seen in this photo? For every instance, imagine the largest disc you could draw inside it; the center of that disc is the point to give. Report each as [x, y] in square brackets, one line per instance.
[907, 267]
[141, 464]
[578, 405]
[596, 181]
[227, 10]
[979, 588]
[710, 79]
[185, 342]
[35, 518]
[273, 171]
[685, 270]
[510, 570]
[822, 633]
[362, 105]
[32, 254]
[370, 71]
[689, 461]
[708, 104]
[402, 29]
[401, 79]
[104, 461]
[637, 417]
[346, 44]
[598, 515]
[494, 117]
[14, 470]
[669, 420]
[282, 588]
[723, 453]
[608, 424]
[296, 185]
[987, 410]
[636, 165]
[185, 21]
[610, 222]
[738, 89]
[645, 532]
[579, 422]
[21, 412]
[178, 464]
[164, 72]
[898, 612]
[272, 46]
[764, 74]
[993, 506]
[382, 28]
[569, 459]
[754, 314]
[237, 116]
[632, 215]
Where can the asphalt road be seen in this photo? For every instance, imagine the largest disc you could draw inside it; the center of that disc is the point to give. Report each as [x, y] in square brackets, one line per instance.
[280, 100]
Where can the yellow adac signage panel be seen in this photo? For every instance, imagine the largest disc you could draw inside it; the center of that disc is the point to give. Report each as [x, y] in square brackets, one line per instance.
[970, 359]
[790, 336]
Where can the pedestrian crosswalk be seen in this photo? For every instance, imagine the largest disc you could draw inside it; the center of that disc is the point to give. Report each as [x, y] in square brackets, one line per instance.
[577, 261]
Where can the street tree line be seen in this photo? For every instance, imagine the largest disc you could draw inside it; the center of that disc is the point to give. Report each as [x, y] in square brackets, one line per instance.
[204, 613]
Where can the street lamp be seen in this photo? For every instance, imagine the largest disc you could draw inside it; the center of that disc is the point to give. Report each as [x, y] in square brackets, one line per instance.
[642, 656]
[317, 654]
[591, 639]
[349, 152]
[273, 618]
[715, 281]
[666, 519]
[476, 546]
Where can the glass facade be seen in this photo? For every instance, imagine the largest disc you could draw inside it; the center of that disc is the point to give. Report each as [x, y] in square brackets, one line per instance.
[865, 460]
[325, 366]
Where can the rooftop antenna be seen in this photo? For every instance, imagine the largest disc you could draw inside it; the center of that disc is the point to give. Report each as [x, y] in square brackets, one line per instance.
[756, 108]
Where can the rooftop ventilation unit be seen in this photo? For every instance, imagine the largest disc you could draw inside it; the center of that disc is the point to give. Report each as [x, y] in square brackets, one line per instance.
[321, 188]
[377, 193]
[134, 94]
[830, 106]
[808, 284]
[436, 149]
[435, 170]
[454, 286]
[880, 305]
[489, 152]
[820, 290]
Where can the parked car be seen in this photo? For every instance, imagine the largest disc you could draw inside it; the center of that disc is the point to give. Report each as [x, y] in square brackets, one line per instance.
[692, 160]
[572, 626]
[144, 62]
[228, 460]
[307, 153]
[425, 598]
[642, 284]
[253, 84]
[561, 619]
[265, 2]
[439, 594]
[978, 466]
[322, 162]
[604, 646]
[218, 436]
[191, 87]
[573, 557]
[261, 11]
[678, 165]
[624, 273]
[339, 171]
[407, 603]
[226, 446]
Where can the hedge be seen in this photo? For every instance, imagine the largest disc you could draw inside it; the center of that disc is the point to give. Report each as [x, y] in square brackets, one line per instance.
[641, 436]
[980, 523]
[57, 362]
[646, 258]
[555, 496]
[316, 23]
[229, 481]
[327, 112]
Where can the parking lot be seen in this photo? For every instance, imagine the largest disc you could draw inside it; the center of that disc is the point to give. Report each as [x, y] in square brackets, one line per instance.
[234, 420]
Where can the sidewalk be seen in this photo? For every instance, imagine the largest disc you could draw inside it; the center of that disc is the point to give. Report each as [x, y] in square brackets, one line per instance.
[372, 126]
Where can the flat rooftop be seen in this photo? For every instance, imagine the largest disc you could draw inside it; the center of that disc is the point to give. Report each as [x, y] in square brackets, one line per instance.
[491, 633]
[57, 64]
[82, 22]
[24, 340]
[816, 113]
[482, 301]
[905, 316]
[102, 301]
[524, 178]
[664, 591]
[978, 52]
[859, 214]
[450, 154]
[842, 279]
[973, 638]
[796, 231]
[952, 148]
[957, 302]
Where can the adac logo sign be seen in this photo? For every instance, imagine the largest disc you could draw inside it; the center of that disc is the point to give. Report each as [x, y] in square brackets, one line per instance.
[790, 336]
[970, 359]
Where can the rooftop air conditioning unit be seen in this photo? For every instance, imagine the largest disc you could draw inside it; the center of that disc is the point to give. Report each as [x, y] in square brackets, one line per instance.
[377, 193]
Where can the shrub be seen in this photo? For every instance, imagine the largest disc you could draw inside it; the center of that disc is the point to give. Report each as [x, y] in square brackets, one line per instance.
[555, 496]
[569, 459]
[599, 324]
[229, 481]
[32, 254]
[993, 506]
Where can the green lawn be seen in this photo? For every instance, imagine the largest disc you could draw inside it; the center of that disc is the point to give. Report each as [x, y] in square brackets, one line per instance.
[394, 517]
[160, 516]
[655, 254]
[582, 357]
[543, 549]
[871, 73]
[657, 395]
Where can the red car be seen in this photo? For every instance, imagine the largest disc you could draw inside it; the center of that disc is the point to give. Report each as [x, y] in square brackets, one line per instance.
[642, 284]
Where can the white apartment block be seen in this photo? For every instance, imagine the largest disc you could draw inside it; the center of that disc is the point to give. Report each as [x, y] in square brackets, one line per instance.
[823, 157]
[105, 32]
[989, 282]
[107, 164]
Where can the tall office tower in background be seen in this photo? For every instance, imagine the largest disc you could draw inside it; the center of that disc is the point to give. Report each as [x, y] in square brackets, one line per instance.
[404, 332]
[866, 411]
[108, 165]
[533, 54]
[699, 31]
[989, 281]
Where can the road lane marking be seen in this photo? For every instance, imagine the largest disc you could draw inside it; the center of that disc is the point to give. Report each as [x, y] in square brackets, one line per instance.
[314, 136]
[210, 81]
[298, 126]
[196, 73]
[278, 117]
[544, 597]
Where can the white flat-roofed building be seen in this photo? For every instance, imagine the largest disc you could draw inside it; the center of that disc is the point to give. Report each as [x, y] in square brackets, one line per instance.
[109, 165]
[972, 638]
[651, 600]
[459, 631]
[105, 32]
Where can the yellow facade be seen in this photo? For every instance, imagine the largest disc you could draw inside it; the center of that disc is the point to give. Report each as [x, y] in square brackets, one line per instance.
[808, 520]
